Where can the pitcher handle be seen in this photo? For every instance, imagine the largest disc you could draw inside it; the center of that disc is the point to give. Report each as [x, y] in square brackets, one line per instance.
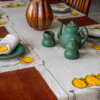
[86, 35]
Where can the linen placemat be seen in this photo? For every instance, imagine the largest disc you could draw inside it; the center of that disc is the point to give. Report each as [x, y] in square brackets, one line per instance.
[24, 84]
[68, 14]
[11, 64]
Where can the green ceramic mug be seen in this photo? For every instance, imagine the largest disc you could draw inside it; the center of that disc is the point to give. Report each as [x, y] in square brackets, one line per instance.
[48, 39]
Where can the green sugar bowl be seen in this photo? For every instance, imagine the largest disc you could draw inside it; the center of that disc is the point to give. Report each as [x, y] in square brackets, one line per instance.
[48, 39]
[71, 51]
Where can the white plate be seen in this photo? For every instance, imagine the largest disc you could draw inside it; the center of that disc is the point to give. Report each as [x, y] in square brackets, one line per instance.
[93, 32]
[55, 7]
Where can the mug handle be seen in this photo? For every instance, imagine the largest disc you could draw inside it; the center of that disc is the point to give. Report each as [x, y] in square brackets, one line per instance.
[86, 35]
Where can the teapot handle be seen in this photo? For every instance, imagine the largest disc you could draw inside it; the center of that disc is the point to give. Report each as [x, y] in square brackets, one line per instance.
[86, 35]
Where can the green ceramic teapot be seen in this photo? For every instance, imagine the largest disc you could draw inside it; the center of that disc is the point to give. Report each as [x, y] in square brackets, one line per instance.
[71, 30]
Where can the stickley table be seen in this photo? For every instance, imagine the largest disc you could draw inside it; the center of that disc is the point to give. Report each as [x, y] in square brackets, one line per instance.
[50, 76]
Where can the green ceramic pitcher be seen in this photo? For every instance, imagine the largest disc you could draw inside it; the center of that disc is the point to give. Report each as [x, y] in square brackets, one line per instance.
[48, 39]
[71, 30]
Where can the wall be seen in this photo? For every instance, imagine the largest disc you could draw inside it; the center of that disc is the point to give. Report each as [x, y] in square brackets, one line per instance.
[94, 12]
[63, 1]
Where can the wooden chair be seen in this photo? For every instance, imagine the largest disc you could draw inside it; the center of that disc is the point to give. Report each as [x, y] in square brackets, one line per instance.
[80, 5]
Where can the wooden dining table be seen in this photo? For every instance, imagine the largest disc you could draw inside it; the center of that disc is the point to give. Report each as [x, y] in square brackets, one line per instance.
[50, 77]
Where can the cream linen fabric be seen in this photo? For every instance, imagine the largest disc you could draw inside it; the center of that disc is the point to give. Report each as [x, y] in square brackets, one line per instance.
[93, 32]
[14, 63]
[68, 14]
[53, 84]
[13, 11]
[58, 71]
[56, 7]
[10, 41]
[21, 11]
[2, 15]
[7, 22]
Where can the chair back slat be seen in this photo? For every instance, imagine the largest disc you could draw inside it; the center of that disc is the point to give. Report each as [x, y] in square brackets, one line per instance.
[77, 4]
[80, 5]
[70, 3]
[87, 6]
[67, 2]
[74, 3]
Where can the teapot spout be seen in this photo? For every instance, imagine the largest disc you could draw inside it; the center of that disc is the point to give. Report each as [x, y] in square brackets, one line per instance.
[60, 30]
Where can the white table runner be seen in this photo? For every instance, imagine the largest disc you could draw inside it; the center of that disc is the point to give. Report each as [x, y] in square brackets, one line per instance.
[14, 63]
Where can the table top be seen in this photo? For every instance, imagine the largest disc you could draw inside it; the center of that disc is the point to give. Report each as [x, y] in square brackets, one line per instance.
[57, 71]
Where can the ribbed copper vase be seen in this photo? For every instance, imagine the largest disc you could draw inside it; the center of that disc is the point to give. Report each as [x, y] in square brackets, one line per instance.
[39, 14]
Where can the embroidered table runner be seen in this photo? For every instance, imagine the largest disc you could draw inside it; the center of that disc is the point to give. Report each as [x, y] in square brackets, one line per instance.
[24, 84]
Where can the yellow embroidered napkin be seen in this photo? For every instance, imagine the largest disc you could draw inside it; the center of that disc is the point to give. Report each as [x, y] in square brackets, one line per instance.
[8, 44]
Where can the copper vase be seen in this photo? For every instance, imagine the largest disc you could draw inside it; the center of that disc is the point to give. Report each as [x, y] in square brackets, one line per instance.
[39, 14]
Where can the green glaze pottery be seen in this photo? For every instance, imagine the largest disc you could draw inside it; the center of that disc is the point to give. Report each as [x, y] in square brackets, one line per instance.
[71, 51]
[71, 30]
[16, 52]
[48, 39]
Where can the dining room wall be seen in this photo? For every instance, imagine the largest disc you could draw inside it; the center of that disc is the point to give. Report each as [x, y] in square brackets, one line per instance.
[94, 12]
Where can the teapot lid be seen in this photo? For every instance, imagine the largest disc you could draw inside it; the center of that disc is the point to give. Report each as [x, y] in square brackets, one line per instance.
[71, 24]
